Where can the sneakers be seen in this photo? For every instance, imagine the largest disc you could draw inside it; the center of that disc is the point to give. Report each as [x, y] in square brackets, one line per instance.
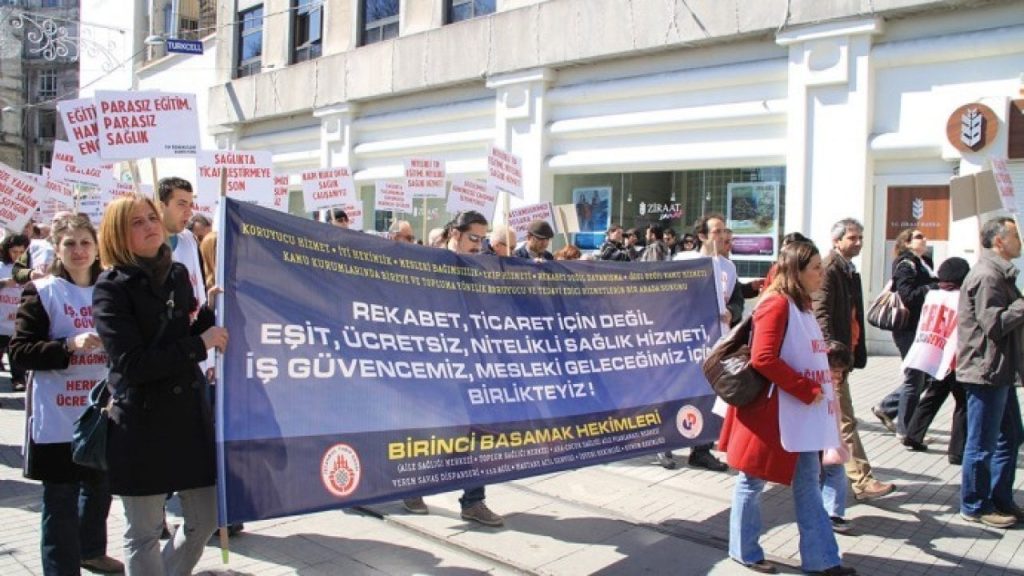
[479, 512]
[762, 566]
[704, 459]
[993, 519]
[103, 565]
[884, 419]
[1015, 511]
[666, 460]
[873, 489]
[415, 506]
[840, 525]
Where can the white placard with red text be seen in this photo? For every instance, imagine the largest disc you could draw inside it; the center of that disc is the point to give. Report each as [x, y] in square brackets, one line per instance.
[392, 196]
[425, 177]
[147, 125]
[471, 194]
[519, 218]
[327, 188]
[60, 191]
[504, 172]
[281, 193]
[68, 167]
[111, 189]
[83, 132]
[20, 195]
[935, 344]
[1004, 183]
[250, 176]
[355, 215]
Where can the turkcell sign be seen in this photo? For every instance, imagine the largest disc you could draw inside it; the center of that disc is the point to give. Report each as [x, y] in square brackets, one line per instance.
[184, 46]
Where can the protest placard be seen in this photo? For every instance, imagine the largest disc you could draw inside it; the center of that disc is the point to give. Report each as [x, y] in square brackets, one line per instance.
[392, 196]
[1004, 183]
[354, 210]
[92, 206]
[250, 176]
[281, 193]
[137, 125]
[504, 173]
[327, 187]
[471, 194]
[509, 368]
[60, 192]
[519, 218]
[20, 195]
[82, 129]
[111, 189]
[425, 177]
[66, 166]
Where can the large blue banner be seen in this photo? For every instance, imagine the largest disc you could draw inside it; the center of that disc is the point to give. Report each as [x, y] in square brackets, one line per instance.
[362, 370]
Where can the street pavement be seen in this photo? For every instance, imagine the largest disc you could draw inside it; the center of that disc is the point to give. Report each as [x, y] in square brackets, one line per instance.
[626, 518]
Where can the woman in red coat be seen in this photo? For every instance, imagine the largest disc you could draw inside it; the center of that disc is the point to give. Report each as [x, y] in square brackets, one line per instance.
[789, 350]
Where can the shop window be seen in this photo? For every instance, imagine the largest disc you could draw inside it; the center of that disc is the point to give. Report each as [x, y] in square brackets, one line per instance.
[752, 199]
[307, 33]
[380, 20]
[250, 42]
[459, 10]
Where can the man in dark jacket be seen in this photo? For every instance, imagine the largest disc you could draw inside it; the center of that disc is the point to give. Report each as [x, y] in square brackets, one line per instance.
[612, 248]
[538, 237]
[990, 328]
[839, 309]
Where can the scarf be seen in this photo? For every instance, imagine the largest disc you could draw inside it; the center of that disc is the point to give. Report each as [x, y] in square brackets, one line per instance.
[157, 267]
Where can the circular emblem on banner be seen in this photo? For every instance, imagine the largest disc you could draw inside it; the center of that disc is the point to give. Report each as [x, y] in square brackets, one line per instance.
[340, 470]
[689, 421]
[971, 127]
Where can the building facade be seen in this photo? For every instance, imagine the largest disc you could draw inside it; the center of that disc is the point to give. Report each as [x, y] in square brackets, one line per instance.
[784, 115]
[38, 67]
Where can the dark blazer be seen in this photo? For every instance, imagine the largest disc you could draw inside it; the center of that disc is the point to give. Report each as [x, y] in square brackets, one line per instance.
[161, 431]
[838, 303]
[32, 349]
[911, 280]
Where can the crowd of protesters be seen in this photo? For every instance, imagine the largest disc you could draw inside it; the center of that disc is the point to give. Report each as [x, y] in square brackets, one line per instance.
[146, 282]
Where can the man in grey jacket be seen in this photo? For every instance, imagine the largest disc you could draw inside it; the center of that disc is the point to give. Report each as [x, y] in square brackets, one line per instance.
[990, 327]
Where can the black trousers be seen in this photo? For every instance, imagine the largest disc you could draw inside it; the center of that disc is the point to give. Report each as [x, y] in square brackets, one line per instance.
[928, 407]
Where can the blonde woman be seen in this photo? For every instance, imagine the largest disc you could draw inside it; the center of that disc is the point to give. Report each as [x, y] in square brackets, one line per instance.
[161, 429]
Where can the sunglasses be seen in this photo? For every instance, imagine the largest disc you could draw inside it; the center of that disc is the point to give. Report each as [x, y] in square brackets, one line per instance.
[919, 236]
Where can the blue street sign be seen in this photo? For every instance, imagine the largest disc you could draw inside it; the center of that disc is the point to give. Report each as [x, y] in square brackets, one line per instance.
[184, 46]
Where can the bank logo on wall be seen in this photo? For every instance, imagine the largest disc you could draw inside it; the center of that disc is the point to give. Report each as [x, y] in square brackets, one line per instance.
[971, 127]
[917, 208]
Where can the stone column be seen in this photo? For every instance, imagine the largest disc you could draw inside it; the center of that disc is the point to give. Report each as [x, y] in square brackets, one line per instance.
[521, 118]
[831, 93]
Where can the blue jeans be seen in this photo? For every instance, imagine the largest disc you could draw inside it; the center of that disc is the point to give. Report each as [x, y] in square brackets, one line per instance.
[833, 489]
[990, 456]
[818, 548]
[901, 403]
[74, 524]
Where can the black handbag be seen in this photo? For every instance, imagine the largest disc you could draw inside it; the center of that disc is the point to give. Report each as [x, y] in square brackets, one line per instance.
[728, 368]
[89, 441]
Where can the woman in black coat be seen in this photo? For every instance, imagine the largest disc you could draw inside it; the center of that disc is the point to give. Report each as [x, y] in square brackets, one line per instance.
[161, 430]
[54, 338]
[913, 275]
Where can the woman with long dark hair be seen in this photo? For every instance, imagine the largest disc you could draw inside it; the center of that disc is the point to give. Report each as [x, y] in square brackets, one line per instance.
[778, 437]
[55, 339]
[160, 438]
[913, 275]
